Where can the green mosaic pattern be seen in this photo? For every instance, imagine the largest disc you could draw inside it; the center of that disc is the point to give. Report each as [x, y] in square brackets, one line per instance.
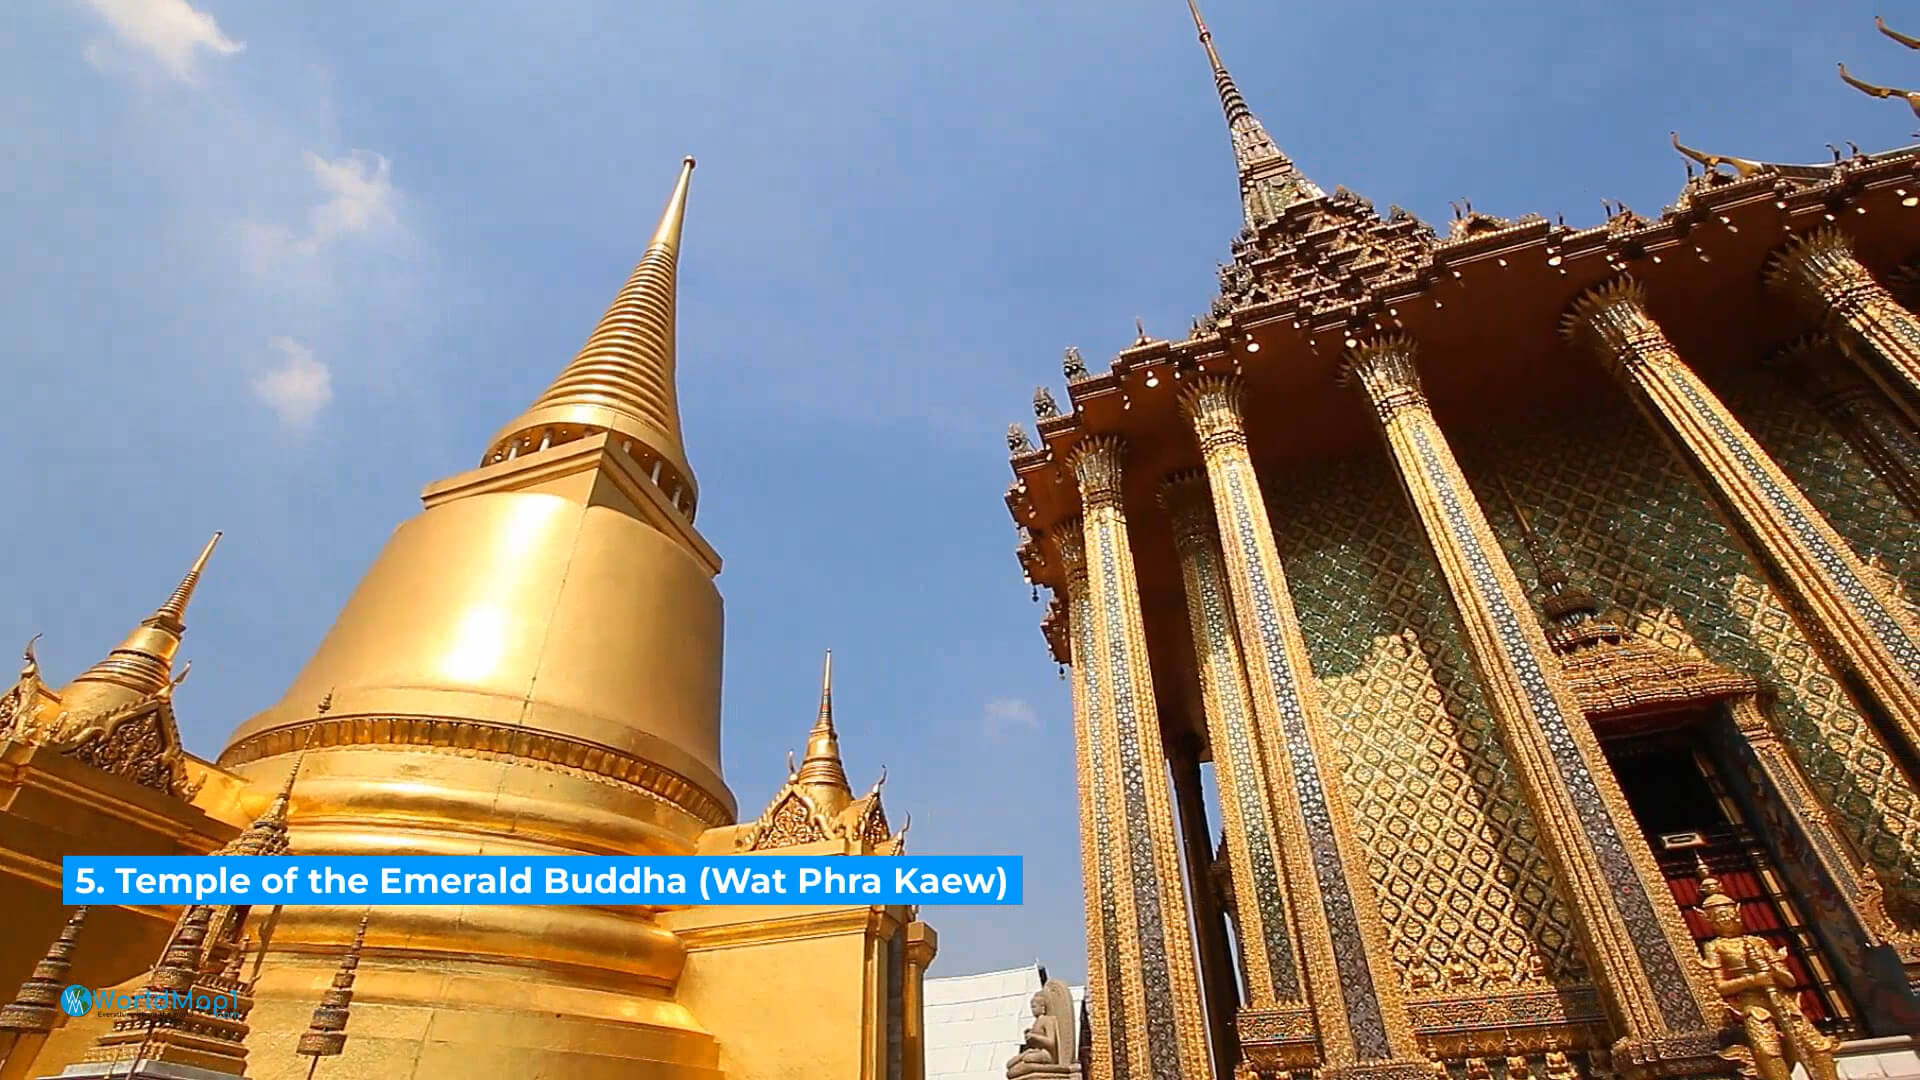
[1453, 853]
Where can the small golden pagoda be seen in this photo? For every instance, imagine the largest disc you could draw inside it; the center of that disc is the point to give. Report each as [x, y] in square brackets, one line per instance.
[530, 667]
[1462, 818]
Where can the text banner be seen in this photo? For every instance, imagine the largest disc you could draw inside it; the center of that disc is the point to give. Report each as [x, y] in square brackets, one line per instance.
[672, 880]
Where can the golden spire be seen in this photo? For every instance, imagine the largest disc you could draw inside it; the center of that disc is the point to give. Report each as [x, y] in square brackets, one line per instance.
[179, 964]
[1268, 180]
[268, 833]
[821, 771]
[1565, 602]
[622, 380]
[326, 1034]
[143, 663]
[36, 1007]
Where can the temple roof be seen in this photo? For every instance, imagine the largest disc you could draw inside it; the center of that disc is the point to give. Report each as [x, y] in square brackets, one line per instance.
[816, 803]
[1313, 273]
[118, 714]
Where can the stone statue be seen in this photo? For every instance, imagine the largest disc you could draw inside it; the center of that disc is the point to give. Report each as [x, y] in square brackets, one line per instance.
[1017, 441]
[1043, 404]
[1048, 1049]
[1753, 977]
[1072, 364]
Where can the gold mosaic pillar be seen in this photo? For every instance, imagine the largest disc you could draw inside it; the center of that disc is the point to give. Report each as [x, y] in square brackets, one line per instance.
[1167, 1029]
[1820, 271]
[1253, 834]
[1855, 625]
[1100, 849]
[1857, 411]
[1350, 981]
[1218, 983]
[1636, 943]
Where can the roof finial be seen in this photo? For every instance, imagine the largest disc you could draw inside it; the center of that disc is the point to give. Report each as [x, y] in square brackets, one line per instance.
[1911, 97]
[143, 663]
[622, 380]
[1565, 602]
[1909, 42]
[1712, 162]
[173, 613]
[821, 768]
[1254, 151]
[37, 1006]
[326, 1034]
[824, 722]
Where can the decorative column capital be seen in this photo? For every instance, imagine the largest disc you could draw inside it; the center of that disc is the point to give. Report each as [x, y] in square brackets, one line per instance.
[922, 944]
[1189, 504]
[1212, 405]
[1819, 269]
[1097, 465]
[1071, 543]
[1383, 370]
[1809, 362]
[1612, 320]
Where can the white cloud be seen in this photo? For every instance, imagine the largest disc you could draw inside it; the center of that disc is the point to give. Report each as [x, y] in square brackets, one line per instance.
[361, 195]
[173, 32]
[1006, 718]
[360, 198]
[298, 388]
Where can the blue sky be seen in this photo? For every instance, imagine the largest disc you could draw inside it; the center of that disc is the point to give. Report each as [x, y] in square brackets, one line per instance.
[272, 271]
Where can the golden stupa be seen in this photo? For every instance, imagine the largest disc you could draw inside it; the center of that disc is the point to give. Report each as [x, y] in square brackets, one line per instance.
[531, 667]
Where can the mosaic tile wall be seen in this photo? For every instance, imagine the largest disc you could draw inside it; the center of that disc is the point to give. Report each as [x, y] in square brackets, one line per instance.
[1833, 476]
[1626, 518]
[1453, 853]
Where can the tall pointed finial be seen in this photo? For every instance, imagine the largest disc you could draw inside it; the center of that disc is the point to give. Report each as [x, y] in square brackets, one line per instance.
[326, 1034]
[821, 768]
[268, 833]
[173, 613]
[143, 663]
[622, 381]
[37, 1006]
[277, 810]
[1565, 603]
[1268, 180]
[824, 722]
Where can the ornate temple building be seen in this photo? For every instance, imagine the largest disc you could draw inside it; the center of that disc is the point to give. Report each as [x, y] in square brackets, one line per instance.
[1541, 600]
[530, 667]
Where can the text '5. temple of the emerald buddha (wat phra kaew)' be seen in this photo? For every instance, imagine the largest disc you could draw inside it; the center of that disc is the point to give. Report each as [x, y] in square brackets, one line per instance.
[1543, 600]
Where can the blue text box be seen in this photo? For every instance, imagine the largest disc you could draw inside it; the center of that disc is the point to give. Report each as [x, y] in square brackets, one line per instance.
[670, 880]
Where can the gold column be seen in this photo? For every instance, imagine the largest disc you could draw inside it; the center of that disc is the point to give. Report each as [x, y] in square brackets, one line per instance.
[1857, 412]
[1254, 839]
[1350, 982]
[1857, 628]
[1167, 1032]
[1222, 989]
[922, 944]
[1100, 849]
[1639, 949]
[1820, 271]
